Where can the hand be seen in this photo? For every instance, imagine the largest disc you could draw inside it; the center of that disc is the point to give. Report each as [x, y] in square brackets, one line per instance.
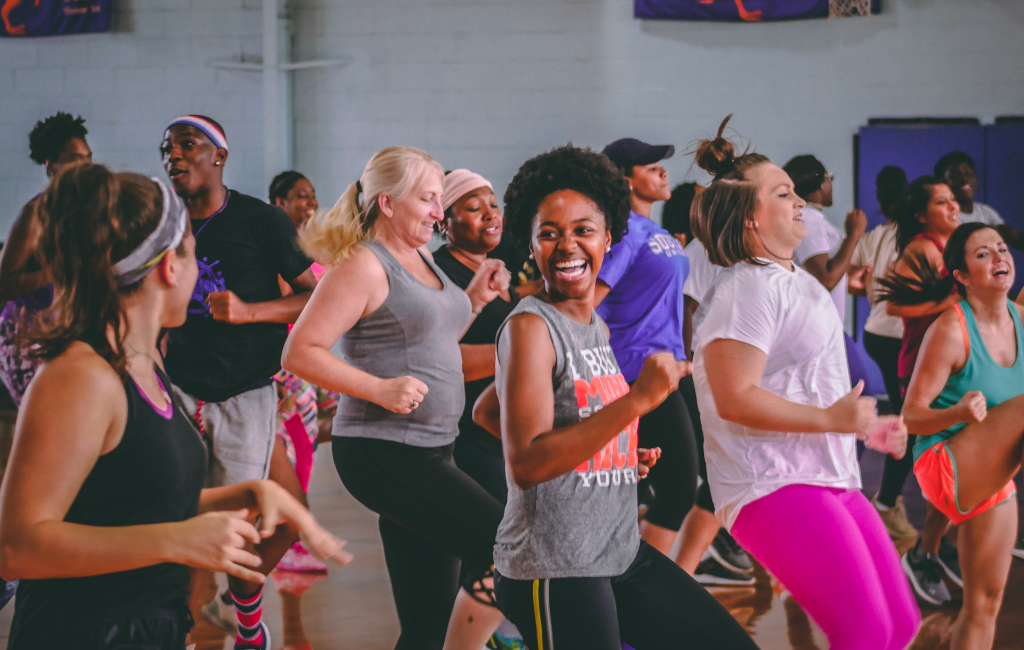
[491, 279]
[859, 280]
[889, 437]
[226, 306]
[647, 458]
[972, 407]
[659, 377]
[216, 541]
[277, 507]
[856, 223]
[853, 413]
[400, 394]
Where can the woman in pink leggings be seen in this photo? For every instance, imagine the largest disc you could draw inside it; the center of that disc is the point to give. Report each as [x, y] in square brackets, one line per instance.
[780, 419]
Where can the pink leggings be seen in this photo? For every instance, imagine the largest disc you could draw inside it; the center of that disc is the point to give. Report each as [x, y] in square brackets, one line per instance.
[829, 548]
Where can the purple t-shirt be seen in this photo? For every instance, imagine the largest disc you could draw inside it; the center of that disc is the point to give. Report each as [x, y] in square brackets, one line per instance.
[644, 309]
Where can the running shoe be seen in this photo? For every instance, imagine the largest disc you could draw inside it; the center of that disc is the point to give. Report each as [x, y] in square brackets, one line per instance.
[264, 645]
[712, 574]
[895, 520]
[925, 574]
[729, 553]
[1018, 550]
[221, 614]
[949, 558]
[299, 560]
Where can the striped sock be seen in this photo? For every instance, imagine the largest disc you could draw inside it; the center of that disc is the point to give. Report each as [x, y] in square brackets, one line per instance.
[250, 613]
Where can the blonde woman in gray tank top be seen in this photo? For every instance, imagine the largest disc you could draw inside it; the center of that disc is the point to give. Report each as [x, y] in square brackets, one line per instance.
[571, 570]
[399, 319]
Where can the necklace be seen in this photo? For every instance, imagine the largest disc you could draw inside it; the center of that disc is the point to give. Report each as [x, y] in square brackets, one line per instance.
[227, 195]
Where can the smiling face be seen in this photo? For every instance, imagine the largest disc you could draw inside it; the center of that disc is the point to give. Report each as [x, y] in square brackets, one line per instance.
[476, 222]
[189, 155]
[964, 183]
[300, 203]
[649, 182]
[570, 237]
[989, 264]
[412, 216]
[775, 227]
[943, 213]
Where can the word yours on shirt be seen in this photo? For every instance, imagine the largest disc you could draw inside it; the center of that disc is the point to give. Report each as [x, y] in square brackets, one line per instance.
[615, 464]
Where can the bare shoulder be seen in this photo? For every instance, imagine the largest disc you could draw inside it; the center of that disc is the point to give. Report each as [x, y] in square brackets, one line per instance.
[361, 265]
[79, 373]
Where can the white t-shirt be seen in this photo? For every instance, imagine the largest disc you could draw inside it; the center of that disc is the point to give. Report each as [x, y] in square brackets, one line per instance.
[822, 238]
[878, 248]
[784, 314]
[985, 214]
[700, 282]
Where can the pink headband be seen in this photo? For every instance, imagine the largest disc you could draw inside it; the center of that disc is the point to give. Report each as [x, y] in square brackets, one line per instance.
[460, 182]
[211, 131]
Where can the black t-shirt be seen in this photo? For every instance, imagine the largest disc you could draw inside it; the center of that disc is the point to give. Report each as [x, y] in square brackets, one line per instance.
[484, 329]
[243, 249]
[153, 476]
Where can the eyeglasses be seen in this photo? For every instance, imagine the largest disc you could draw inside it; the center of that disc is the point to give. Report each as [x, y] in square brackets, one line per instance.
[830, 176]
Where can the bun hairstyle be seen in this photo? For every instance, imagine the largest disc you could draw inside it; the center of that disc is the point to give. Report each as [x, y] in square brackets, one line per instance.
[720, 213]
[931, 285]
[329, 237]
[91, 217]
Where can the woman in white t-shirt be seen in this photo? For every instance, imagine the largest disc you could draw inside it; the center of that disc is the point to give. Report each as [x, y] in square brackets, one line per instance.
[780, 420]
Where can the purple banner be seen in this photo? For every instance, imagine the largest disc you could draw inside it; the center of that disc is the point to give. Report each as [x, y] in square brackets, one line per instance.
[752, 10]
[49, 17]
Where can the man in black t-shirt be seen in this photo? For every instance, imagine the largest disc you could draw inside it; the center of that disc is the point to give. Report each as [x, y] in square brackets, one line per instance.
[223, 359]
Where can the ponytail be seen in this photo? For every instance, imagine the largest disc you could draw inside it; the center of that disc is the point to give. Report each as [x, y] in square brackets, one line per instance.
[329, 237]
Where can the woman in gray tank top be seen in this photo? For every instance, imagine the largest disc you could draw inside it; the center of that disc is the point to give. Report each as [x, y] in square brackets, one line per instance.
[399, 319]
[571, 570]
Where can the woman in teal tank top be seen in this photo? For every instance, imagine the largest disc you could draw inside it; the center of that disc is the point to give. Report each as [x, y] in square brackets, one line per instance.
[966, 405]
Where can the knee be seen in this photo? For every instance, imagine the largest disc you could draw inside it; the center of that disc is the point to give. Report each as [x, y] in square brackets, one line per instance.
[983, 603]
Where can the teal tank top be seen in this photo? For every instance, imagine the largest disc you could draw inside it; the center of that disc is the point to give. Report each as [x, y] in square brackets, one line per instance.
[981, 372]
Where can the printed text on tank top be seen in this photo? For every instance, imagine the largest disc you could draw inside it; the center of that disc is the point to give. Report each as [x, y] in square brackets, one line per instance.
[616, 463]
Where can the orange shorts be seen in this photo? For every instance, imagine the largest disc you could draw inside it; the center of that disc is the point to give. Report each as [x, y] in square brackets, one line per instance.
[936, 473]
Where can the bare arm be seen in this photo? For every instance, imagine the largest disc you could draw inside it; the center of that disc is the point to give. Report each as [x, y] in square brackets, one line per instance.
[689, 309]
[74, 412]
[943, 352]
[735, 377]
[487, 411]
[22, 243]
[477, 360]
[830, 271]
[535, 451]
[226, 306]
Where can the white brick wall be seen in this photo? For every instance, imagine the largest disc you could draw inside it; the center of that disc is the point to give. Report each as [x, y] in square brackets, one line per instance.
[486, 84]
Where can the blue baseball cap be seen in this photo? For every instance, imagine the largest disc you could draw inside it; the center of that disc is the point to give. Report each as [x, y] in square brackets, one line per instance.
[628, 152]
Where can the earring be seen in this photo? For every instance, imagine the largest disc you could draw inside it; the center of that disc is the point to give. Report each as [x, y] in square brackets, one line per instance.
[216, 163]
[608, 248]
[531, 254]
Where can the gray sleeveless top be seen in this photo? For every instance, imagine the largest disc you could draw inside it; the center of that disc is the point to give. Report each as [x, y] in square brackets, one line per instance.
[414, 332]
[582, 523]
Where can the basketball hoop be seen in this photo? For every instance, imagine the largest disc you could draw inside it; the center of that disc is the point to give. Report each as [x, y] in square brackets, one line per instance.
[844, 8]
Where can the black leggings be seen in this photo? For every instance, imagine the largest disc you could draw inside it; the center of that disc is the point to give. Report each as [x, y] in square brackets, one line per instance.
[431, 516]
[673, 480]
[481, 457]
[686, 387]
[653, 605]
[885, 351]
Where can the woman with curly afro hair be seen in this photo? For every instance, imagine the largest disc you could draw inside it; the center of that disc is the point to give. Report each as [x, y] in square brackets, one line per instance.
[569, 562]
[25, 286]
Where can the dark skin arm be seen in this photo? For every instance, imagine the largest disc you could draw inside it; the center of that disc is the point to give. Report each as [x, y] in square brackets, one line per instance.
[21, 246]
[226, 306]
[689, 309]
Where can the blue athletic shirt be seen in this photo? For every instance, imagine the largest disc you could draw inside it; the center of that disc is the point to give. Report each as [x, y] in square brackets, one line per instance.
[644, 309]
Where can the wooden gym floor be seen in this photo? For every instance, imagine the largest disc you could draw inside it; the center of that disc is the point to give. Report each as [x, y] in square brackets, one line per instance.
[351, 607]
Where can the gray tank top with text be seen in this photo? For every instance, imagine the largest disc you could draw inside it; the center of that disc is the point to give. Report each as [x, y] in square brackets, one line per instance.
[414, 332]
[584, 522]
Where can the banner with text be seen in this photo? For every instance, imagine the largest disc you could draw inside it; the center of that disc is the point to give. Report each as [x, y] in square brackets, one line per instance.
[752, 10]
[50, 17]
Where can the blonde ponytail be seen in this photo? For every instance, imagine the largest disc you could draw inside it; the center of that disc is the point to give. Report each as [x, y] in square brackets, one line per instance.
[329, 237]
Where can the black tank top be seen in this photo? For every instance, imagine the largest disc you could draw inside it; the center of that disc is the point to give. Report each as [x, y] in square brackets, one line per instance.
[154, 475]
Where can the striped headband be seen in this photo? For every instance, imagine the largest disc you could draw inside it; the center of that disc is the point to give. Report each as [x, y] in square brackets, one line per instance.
[460, 182]
[168, 234]
[216, 135]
